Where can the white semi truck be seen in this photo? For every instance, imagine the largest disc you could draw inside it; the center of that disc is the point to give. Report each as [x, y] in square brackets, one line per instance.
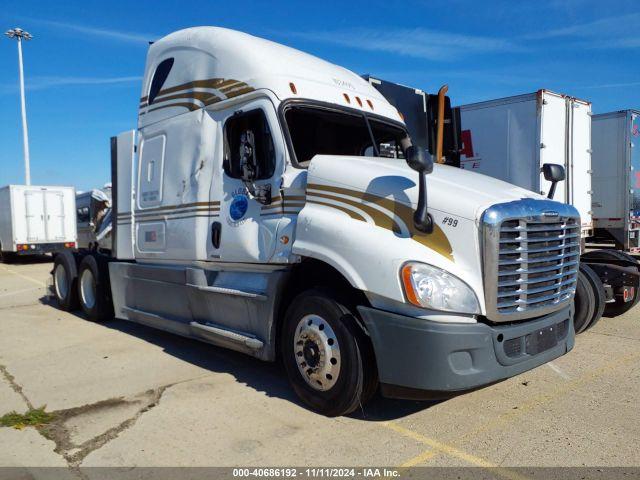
[36, 220]
[254, 212]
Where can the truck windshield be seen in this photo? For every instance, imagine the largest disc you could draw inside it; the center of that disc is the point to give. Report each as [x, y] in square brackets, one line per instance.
[318, 130]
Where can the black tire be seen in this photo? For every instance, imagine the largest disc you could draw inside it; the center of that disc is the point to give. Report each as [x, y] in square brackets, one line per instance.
[93, 289]
[341, 391]
[584, 302]
[65, 277]
[617, 308]
[598, 296]
[7, 257]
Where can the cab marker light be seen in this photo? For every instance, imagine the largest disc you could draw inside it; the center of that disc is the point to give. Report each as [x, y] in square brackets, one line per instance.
[292, 86]
[370, 103]
[346, 97]
[359, 101]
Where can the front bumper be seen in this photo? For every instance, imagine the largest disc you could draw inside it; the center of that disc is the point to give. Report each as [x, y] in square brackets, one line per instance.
[416, 355]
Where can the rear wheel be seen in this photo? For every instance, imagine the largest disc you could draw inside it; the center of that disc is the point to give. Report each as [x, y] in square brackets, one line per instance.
[619, 307]
[64, 282]
[322, 350]
[93, 289]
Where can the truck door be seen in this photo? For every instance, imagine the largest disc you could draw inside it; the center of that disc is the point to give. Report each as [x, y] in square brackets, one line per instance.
[250, 212]
[34, 208]
[54, 216]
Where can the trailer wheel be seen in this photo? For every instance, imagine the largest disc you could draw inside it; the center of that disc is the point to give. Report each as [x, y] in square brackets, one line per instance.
[65, 276]
[93, 289]
[598, 296]
[589, 299]
[322, 353]
[6, 257]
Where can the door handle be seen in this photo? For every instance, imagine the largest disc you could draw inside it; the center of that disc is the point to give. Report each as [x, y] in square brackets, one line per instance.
[216, 233]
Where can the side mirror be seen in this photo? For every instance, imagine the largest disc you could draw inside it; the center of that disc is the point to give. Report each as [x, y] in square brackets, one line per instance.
[422, 163]
[249, 169]
[553, 173]
[418, 160]
[248, 162]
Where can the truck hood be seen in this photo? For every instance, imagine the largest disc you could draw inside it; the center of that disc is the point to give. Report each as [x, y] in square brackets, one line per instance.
[450, 190]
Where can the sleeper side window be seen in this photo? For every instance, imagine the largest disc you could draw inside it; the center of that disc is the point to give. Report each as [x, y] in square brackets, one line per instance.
[159, 77]
[249, 125]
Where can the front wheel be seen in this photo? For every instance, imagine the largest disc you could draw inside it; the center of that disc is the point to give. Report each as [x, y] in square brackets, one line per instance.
[322, 351]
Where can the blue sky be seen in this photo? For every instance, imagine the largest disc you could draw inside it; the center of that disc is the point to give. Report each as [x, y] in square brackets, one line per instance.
[84, 66]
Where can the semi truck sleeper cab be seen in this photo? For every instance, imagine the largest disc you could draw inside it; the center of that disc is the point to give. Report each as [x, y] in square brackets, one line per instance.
[253, 210]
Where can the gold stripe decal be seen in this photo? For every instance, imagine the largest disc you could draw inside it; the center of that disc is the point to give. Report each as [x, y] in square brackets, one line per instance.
[219, 89]
[327, 195]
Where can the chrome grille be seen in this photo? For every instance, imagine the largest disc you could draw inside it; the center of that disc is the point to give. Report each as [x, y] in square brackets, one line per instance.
[531, 253]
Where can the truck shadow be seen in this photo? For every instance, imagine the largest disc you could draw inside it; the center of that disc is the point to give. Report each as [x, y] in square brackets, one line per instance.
[267, 377]
[27, 259]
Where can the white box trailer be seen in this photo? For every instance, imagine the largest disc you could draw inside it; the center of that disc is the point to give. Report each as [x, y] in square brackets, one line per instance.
[511, 138]
[36, 219]
[616, 178]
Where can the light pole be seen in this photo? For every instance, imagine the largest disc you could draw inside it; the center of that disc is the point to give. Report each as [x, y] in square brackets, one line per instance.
[20, 35]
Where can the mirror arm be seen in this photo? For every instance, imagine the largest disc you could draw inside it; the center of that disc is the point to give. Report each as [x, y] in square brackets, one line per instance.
[552, 190]
[422, 219]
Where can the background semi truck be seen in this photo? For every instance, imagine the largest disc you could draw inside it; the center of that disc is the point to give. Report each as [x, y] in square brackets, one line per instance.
[36, 220]
[512, 139]
[253, 209]
[93, 219]
[616, 178]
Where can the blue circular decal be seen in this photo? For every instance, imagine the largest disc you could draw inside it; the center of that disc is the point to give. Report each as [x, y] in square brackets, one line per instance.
[238, 207]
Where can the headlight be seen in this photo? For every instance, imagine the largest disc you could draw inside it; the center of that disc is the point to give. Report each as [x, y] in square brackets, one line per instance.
[430, 287]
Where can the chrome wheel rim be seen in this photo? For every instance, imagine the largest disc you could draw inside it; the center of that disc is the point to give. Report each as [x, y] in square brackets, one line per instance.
[317, 352]
[60, 277]
[88, 289]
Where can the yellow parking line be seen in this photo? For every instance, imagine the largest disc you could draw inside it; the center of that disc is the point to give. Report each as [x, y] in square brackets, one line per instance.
[33, 280]
[511, 415]
[439, 447]
[422, 458]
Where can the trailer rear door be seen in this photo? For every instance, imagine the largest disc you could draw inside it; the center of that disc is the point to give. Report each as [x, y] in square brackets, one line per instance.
[634, 176]
[54, 215]
[553, 141]
[34, 209]
[579, 171]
